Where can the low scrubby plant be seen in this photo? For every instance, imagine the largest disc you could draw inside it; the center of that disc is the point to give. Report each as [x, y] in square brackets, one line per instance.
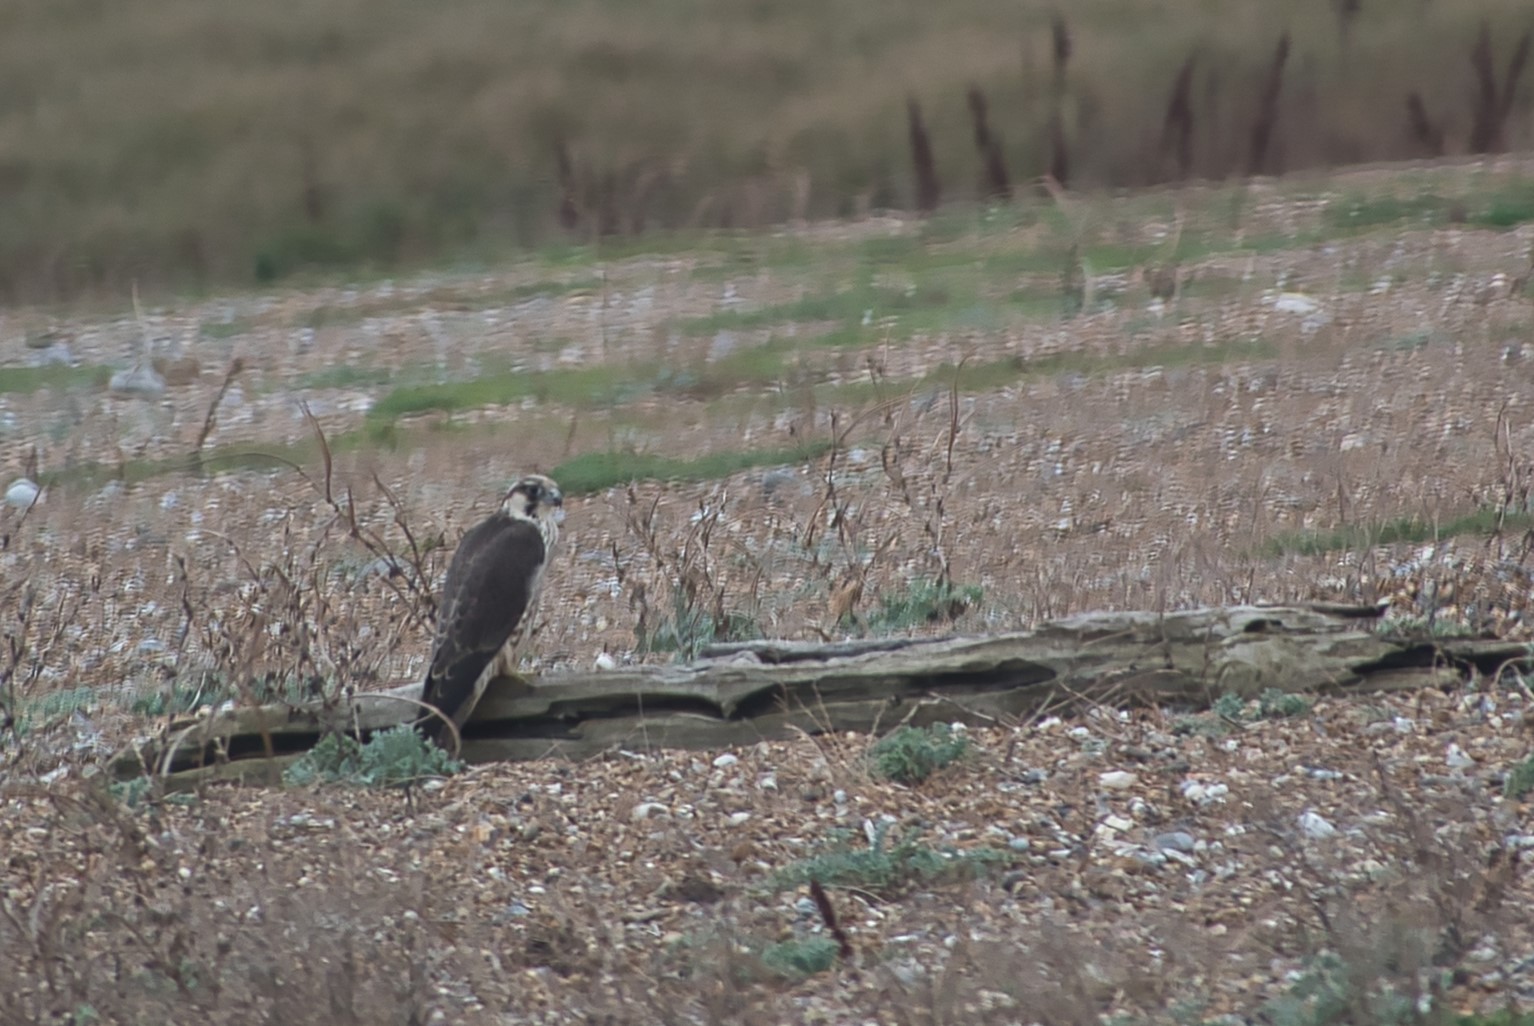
[800, 957]
[884, 868]
[396, 757]
[923, 602]
[1274, 704]
[910, 755]
[1520, 780]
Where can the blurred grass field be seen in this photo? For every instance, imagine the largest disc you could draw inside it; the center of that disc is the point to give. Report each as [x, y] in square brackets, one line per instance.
[193, 144]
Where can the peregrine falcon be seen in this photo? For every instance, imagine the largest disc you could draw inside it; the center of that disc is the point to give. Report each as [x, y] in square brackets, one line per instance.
[489, 600]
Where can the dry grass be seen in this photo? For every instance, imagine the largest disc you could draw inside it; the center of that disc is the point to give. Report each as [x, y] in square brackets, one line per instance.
[228, 142]
[1143, 448]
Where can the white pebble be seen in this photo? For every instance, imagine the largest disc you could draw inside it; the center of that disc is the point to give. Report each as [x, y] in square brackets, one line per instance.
[1295, 302]
[1315, 825]
[1203, 794]
[605, 662]
[22, 493]
[725, 760]
[1118, 780]
[137, 380]
[645, 810]
[737, 818]
[1456, 758]
[1176, 840]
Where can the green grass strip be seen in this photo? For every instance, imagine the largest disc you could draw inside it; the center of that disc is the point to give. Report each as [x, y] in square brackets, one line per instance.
[14, 380]
[595, 471]
[1402, 530]
[587, 386]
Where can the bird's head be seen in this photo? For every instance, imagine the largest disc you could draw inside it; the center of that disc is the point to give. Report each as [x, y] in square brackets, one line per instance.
[536, 498]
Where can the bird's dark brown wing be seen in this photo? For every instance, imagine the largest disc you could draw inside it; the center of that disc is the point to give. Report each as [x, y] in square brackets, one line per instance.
[485, 595]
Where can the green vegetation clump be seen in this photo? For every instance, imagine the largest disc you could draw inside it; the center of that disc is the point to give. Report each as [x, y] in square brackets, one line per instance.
[923, 602]
[1230, 708]
[1520, 780]
[1332, 991]
[689, 628]
[910, 755]
[886, 869]
[1274, 704]
[392, 758]
[801, 957]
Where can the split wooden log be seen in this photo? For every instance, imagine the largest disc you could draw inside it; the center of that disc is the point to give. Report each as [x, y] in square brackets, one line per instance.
[739, 693]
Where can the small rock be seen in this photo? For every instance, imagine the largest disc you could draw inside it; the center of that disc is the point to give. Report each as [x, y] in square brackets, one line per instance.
[1456, 758]
[1204, 794]
[1034, 776]
[57, 356]
[182, 370]
[1296, 303]
[1316, 826]
[647, 810]
[137, 380]
[1019, 844]
[775, 479]
[306, 821]
[725, 760]
[767, 782]
[1139, 861]
[839, 796]
[22, 493]
[1118, 780]
[737, 818]
[605, 662]
[812, 794]
[1175, 840]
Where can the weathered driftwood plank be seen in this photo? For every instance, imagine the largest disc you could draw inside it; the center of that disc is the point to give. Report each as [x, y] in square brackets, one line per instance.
[745, 692]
